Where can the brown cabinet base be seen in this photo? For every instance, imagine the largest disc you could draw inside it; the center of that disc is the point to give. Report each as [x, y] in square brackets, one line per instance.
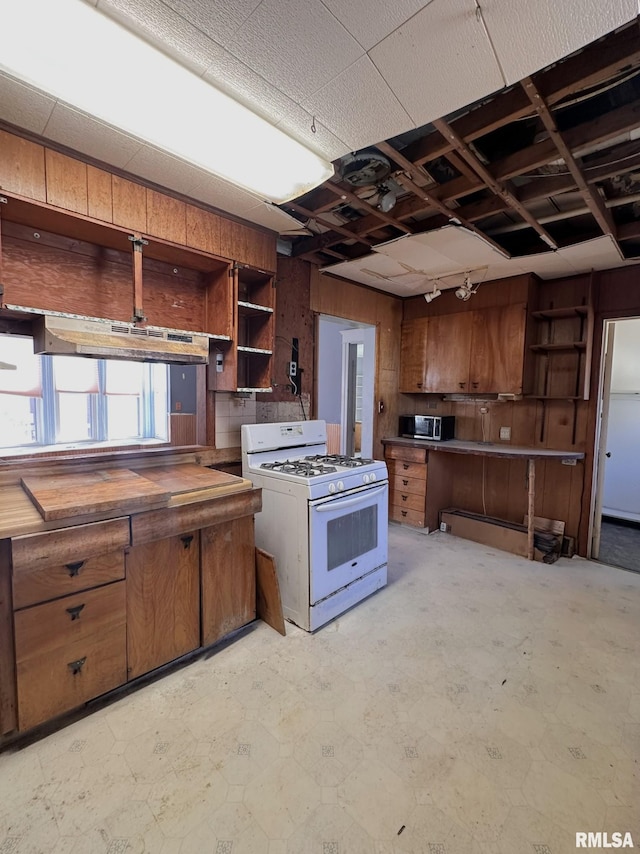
[69, 651]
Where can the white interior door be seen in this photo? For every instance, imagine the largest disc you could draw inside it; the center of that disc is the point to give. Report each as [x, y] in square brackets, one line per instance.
[358, 382]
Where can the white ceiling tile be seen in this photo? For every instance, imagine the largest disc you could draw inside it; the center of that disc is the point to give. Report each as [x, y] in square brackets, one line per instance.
[165, 29]
[298, 47]
[297, 122]
[272, 217]
[529, 34]
[409, 265]
[369, 21]
[220, 194]
[232, 76]
[439, 61]
[90, 136]
[23, 106]
[219, 19]
[339, 105]
[164, 169]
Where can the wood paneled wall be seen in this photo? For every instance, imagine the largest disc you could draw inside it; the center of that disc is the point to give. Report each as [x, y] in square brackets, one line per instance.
[339, 298]
[37, 172]
[294, 319]
[562, 492]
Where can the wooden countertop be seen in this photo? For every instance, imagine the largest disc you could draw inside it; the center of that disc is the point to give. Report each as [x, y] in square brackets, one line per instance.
[486, 449]
[18, 514]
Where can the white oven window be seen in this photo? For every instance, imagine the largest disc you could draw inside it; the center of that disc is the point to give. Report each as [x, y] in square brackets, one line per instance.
[351, 535]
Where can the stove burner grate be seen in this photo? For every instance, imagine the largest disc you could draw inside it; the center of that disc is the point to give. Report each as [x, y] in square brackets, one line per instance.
[301, 468]
[340, 460]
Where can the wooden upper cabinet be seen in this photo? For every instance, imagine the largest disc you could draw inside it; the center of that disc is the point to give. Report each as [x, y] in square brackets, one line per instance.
[129, 204]
[166, 217]
[22, 167]
[413, 354]
[497, 349]
[470, 352]
[448, 353]
[66, 182]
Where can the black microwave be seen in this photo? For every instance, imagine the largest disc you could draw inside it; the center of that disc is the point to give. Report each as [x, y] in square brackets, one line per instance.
[438, 428]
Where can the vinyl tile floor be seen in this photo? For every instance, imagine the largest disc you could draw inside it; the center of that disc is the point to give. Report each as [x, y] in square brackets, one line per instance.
[480, 704]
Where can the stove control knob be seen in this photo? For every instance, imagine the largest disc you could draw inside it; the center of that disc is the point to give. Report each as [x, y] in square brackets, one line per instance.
[365, 478]
[340, 486]
[372, 476]
[332, 487]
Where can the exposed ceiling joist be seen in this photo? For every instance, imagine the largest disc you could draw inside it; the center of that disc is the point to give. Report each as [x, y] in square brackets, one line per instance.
[500, 189]
[591, 196]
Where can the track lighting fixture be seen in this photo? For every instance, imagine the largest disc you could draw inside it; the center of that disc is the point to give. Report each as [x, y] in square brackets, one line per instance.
[429, 297]
[467, 289]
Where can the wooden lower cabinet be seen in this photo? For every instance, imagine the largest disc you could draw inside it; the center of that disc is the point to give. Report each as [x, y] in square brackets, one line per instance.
[69, 651]
[228, 579]
[407, 484]
[83, 612]
[163, 601]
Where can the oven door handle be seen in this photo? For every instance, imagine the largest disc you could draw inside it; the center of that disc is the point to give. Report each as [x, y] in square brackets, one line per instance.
[330, 507]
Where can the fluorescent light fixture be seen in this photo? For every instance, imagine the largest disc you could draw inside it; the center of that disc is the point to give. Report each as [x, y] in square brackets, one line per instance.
[75, 53]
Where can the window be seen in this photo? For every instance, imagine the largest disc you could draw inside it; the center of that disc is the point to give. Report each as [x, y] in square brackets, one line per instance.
[69, 400]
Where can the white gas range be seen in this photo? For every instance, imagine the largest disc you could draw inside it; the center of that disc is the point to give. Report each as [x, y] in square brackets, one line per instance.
[324, 519]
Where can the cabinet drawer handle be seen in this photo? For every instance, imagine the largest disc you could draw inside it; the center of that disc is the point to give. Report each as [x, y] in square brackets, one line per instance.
[462, 385]
[404, 512]
[405, 466]
[419, 385]
[186, 541]
[405, 482]
[74, 568]
[475, 385]
[74, 612]
[404, 497]
[76, 666]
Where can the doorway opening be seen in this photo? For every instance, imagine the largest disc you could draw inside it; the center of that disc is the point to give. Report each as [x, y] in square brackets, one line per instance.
[616, 519]
[345, 384]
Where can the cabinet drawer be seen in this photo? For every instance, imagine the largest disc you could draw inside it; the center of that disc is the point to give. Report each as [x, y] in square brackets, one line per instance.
[409, 484]
[407, 517]
[403, 452]
[405, 469]
[31, 586]
[406, 499]
[69, 651]
[69, 545]
[76, 618]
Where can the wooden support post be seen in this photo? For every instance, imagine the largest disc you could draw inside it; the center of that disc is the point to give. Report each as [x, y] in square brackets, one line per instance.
[138, 311]
[531, 477]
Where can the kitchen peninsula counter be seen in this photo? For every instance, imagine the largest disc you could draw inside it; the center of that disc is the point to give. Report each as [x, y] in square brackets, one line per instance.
[440, 477]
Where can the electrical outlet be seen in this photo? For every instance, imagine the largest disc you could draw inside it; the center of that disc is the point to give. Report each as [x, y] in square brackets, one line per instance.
[444, 527]
[505, 432]
[293, 369]
[484, 410]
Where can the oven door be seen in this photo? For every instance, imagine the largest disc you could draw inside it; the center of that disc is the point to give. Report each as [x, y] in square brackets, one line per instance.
[347, 538]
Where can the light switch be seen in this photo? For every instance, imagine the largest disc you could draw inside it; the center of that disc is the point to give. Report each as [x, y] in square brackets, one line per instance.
[505, 432]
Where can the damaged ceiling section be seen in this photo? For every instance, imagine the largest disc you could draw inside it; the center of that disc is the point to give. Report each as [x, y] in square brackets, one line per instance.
[549, 163]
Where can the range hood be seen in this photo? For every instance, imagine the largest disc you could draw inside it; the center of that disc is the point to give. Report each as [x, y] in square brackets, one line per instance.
[57, 335]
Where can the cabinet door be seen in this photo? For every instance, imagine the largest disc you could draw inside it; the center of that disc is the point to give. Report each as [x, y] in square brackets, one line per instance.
[228, 578]
[163, 602]
[413, 354]
[448, 353]
[497, 349]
